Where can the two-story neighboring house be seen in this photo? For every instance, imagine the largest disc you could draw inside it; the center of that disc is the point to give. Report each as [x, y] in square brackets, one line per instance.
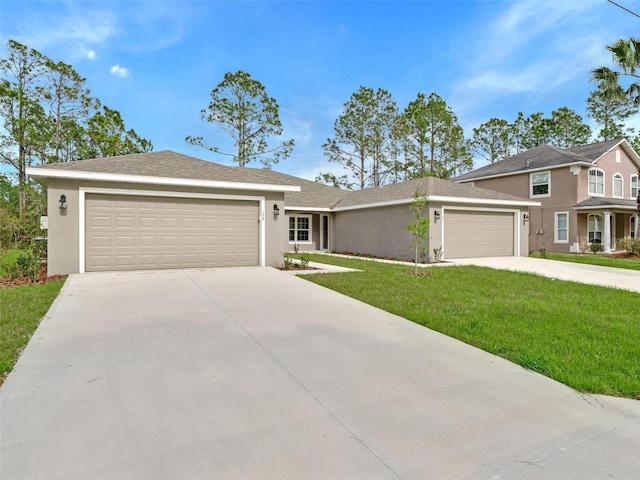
[587, 193]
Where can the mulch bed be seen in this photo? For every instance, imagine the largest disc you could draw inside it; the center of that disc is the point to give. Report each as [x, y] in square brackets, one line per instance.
[297, 266]
[6, 281]
[632, 256]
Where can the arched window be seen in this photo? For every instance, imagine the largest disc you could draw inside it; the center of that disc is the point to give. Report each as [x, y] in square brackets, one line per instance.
[594, 227]
[596, 182]
[617, 185]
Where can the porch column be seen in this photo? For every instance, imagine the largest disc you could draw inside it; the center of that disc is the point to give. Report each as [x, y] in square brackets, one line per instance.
[607, 232]
[635, 226]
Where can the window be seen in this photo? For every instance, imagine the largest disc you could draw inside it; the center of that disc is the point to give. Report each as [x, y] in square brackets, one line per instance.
[561, 227]
[540, 184]
[596, 182]
[594, 226]
[632, 226]
[300, 229]
[617, 185]
[634, 187]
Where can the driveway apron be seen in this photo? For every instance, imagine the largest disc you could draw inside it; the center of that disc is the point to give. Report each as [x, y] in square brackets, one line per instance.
[250, 373]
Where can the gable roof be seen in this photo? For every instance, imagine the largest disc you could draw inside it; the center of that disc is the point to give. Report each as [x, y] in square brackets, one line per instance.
[547, 157]
[164, 167]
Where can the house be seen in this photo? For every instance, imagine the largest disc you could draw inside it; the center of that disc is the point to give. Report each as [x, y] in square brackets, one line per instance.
[167, 210]
[587, 194]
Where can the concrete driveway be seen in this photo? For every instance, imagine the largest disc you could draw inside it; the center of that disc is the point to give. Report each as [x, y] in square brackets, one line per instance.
[250, 373]
[573, 272]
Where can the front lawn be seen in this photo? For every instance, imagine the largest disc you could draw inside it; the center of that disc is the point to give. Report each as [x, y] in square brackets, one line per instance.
[21, 309]
[585, 336]
[630, 263]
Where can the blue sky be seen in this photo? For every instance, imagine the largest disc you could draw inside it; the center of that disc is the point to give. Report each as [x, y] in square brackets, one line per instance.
[157, 62]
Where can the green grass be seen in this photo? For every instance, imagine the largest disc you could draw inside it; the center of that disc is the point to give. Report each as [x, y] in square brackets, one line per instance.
[21, 309]
[592, 259]
[9, 257]
[585, 336]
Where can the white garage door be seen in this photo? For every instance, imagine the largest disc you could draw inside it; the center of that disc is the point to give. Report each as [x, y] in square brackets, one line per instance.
[469, 234]
[134, 233]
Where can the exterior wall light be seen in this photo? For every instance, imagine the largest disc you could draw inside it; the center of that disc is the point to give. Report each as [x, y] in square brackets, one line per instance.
[276, 210]
[436, 215]
[63, 202]
[525, 218]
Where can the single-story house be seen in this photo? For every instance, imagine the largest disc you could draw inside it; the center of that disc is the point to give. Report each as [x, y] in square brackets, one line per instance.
[167, 210]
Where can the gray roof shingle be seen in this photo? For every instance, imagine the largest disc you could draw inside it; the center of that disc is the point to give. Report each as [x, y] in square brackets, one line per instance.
[606, 202]
[311, 195]
[172, 165]
[164, 164]
[430, 186]
[544, 156]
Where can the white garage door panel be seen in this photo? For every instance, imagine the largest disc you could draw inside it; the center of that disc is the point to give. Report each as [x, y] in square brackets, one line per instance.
[469, 234]
[130, 232]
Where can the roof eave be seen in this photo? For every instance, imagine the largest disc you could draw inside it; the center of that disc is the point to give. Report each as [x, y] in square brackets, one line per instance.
[40, 173]
[529, 170]
[307, 209]
[605, 207]
[443, 199]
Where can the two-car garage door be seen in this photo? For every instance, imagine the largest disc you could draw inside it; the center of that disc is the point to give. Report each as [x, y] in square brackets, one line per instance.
[469, 234]
[138, 232]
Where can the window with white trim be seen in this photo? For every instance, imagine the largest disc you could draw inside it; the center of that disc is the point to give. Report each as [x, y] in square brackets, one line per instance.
[300, 229]
[596, 182]
[594, 228]
[632, 226]
[617, 185]
[540, 184]
[561, 227]
[634, 186]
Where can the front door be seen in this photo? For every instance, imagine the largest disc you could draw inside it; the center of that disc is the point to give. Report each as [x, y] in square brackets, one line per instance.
[324, 244]
[617, 228]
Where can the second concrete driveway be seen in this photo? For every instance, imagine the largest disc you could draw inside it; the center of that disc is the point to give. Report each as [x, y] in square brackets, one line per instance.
[573, 272]
[251, 373]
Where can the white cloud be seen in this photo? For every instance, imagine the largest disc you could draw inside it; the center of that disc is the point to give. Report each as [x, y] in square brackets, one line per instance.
[525, 21]
[91, 27]
[119, 71]
[91, 55]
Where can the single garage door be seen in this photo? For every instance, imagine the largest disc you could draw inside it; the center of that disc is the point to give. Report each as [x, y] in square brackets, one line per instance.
[469, 234]
[135, 233]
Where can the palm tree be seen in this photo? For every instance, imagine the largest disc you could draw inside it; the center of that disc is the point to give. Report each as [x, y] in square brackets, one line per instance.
[625, 80]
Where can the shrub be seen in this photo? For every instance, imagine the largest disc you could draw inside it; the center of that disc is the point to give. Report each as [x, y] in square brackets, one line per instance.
[305, 258]
[543, 252]
[287, 263]
[596, 247]
[437, 253]
[631, 245]
[26, 265]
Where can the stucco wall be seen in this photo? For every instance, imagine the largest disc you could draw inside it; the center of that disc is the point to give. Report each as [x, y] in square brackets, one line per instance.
[375, 231]
[63, 233]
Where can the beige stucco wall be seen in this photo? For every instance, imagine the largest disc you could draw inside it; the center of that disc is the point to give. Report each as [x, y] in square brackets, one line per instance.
[63, 233]
[375, 231]
[62, 244]
[382, 231]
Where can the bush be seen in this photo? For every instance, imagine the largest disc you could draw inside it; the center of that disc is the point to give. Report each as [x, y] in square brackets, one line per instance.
[305, 258]
[543, 252]
[631, 245]
[596, 247]
[26, 265]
